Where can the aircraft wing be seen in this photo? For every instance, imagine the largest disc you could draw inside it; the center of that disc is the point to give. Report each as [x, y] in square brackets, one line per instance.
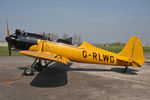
[45, 55]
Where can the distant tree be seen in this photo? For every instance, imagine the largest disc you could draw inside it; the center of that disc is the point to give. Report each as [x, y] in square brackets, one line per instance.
[52, 36]
[79, 39]
[41, 33]
[65, 36]
[116, 44]
[76, 39]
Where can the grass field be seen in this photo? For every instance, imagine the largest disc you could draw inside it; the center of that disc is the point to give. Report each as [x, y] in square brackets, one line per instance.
[116, 49]
[4, 52]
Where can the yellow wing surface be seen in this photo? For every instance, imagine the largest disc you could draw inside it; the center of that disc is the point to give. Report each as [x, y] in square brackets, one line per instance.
[45, 55]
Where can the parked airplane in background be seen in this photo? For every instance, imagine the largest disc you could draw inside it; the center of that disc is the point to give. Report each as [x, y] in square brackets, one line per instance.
[22, 40]
[48, 51]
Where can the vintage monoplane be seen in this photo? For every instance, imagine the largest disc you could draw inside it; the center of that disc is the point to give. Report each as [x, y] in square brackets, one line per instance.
[47, 51]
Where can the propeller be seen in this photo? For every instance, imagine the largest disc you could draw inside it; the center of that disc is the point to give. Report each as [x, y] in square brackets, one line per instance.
[9, 45]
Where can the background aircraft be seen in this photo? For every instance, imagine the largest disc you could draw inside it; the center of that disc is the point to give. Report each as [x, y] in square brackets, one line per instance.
[21, 40]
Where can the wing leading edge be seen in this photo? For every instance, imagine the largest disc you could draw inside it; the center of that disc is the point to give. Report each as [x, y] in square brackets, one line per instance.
[46, 56]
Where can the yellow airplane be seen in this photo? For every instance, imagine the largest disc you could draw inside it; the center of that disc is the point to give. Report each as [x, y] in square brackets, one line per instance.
[131, 55]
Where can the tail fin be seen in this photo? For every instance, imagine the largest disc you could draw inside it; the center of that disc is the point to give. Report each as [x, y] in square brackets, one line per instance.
[134, 50]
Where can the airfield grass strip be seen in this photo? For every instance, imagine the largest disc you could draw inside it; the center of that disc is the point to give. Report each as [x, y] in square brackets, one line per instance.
[4, 52]
[116, 49]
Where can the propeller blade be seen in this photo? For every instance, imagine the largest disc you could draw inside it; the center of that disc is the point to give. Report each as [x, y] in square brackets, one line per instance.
[7, 30]
[9, 48]
[9, 45]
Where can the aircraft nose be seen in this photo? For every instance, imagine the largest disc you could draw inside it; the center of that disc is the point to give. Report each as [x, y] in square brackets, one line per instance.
[8, 39]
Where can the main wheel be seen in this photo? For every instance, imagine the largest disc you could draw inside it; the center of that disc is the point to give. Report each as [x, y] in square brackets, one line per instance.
[29, 71]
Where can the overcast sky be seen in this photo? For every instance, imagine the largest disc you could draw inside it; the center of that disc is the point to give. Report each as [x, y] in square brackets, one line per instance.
[97, 21]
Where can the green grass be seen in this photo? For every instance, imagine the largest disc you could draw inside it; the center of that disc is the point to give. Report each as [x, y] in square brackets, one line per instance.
[116, 49]
[146, 49]
[4, 52]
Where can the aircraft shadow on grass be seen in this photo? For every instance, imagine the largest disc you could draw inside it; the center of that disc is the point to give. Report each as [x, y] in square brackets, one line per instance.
[56, 74]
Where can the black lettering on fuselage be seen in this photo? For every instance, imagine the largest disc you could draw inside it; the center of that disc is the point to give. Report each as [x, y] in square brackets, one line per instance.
[112, 59]
[84, 54]
[94, 56]
[99, 56]
[105, 57]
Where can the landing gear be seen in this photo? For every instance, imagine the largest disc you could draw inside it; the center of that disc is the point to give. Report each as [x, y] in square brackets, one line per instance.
[29, 71]
[125, 70]
[36, 66]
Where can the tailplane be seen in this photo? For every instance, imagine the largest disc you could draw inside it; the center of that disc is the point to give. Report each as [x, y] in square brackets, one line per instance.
[134, 50]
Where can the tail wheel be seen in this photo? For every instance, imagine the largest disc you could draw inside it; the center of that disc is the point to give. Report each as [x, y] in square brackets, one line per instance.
[125, 70]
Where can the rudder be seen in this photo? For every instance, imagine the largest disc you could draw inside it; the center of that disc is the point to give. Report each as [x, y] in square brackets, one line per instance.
[134, 50]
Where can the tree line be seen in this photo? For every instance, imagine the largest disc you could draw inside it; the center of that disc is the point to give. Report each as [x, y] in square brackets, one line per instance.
[76, 38]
